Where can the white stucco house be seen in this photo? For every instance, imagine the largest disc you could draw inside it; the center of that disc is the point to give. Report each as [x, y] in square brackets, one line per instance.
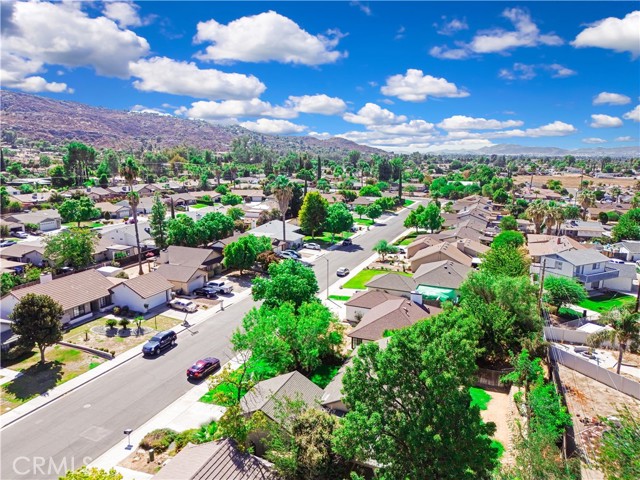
[142, 293]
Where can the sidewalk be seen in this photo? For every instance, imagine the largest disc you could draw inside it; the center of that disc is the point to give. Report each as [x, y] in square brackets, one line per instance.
[75, 383]
[183, 414]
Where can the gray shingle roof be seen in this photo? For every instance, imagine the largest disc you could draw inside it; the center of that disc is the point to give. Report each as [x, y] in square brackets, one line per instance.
[189, 256]
[445, 273]
[583, 257]
[391, 281]
[177, 273]
[266, 394]
[149, 284]
[369, 299]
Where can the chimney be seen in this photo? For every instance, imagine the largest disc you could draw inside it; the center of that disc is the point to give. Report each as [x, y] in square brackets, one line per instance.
[46, 278]
[416, 297]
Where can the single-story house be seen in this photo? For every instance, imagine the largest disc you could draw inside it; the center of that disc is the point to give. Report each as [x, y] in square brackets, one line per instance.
[212, 194]
[203, 258]
[220, 244]
[538, 246]
[471, 247]
[24, 252]
[583, 230]
[181, 199]
[115, 210]
[215, 460]
[30, 199]
[252, 195]
[144, 205]
[392, 283]
[97, 194]
[362, 302]
[12, 226]
[462, 233]
[627, 250]
[150, 289]
[46, 220]
[184, 279]
[125, 234]
[390, 315]
[365, 201]
[170, 185]
[423, 241]
[9, 266]
[273, 230]
[587, 266]
[81, 295]
[445, 274]
[441, 251]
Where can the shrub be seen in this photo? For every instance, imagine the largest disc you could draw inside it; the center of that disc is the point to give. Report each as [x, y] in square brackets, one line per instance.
[117, 310]
[124, 323]
[159, 440]
[111, 322]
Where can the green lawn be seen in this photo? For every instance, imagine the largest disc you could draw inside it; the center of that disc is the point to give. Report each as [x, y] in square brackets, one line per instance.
[340, 298]
[479, 397]
[83, 224]
[604, 303]
[324, 240]
[358, 282]
[367, 222]
[408, 202]
[198, 205]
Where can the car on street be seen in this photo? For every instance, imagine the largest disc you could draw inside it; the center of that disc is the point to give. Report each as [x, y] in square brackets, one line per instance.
[286, 255]
[342, 272]
[203, 367]
[159, 342]
[7, 243]
[183, 305]
[21, 235]
[206, 292]
[219, 286]
[346, 242]
[312, 246]
[293, 253]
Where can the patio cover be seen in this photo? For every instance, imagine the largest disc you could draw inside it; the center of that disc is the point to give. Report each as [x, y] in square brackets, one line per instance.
[437, 293]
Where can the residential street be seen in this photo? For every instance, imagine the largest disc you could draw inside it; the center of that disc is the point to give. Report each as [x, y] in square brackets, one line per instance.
[82, 425]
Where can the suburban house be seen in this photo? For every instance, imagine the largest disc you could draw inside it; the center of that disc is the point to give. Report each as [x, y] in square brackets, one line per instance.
[12, 226]
[97, 194]
[440, 280]
[30, 199]
[81, 295]
[252, 195]
[184, 279]
[203, 258]
[583, 230]
[125, 234]
[471, 247]
[542, 245]
[421, 242]
[362, 302]
[181, 199]
[143, 207]
[24, 252]
[587, 266]
[45, 220]
[463, 233]
[9, 266]
[142, 293]
[439, 252]
[391, 283]
[364, 201]
[627, 250]
[273, 230]
[220, 244]
[114, 210]
[215, 460]
[390, 315]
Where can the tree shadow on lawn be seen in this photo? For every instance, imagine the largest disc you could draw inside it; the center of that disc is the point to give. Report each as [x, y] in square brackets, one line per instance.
[35, 380]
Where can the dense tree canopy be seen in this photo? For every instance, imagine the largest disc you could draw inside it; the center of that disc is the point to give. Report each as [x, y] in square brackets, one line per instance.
[78, 210]
[242, 253]
[289, 281]
[628, 227]
[505, 260]
[560, 291]
[509, 238]
[313, 213]
[73, 247]
[339, 219]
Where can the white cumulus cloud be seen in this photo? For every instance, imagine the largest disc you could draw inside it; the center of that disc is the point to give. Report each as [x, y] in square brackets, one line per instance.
[162, 74]
[633, 114]
[626, 138]
[372, 114]
[593, 140]
[607, 98]
[236, 108]
[321, 104]
[273, 127]
[617, 34]
[124, 13]
[449, 27]
[415, 86]
[605, 121]
[462, 122]
[266, 37]
[18, 72]
[523, 71]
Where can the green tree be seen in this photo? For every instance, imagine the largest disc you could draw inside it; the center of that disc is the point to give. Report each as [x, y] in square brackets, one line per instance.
[313, 213]
[625, 330]
[182, 231]
[79, 210]
[586, 199]
[130, 171]
[360, 210]
[86, 473]
[406, 415]
[235, 213]
[4, 199]
[398, 167]
[323, 185]
[283, 191]
[619, 452]
[508, 223]
[431, 217]
[212, 227]
[415, 219]
[536, 212]
[307, 176]
[384, 248]
[500, 196]
[242, 253]
[73, 248]
[370, 191]
[339, 219]
[289, 281]
[560, 291]
[231, 199]
[287, 338]
[505, 260]
[78, 161]
[374, 211]
[508, 237]
[36, 320]
[628, 227]
[158, 223]
[571, 212]
[8, 281]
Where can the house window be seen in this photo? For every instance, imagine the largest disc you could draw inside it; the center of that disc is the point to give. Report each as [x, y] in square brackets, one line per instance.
[595, 266]
[104, 301]
[558, 265]
[78, 311]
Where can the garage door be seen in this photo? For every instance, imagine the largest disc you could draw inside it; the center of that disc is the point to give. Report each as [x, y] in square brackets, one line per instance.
[196, 283]
[50, 225]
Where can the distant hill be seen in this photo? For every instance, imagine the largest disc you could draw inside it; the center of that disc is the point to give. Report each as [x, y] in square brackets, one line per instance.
[59, 122]
[509, 149]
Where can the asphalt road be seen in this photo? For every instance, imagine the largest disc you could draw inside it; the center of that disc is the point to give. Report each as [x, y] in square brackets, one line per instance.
[80, 426]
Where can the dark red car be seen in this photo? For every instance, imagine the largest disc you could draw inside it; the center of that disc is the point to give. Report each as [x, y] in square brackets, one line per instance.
[203, 367]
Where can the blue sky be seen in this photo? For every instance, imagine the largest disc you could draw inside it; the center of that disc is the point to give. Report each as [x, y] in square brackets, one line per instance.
[403, 76]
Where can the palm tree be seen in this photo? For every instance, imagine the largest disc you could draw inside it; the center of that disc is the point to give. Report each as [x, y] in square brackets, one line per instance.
[625, 329]
[554, 217]
[284, 193]
[536, 212]
[130, 170]
[587, 199]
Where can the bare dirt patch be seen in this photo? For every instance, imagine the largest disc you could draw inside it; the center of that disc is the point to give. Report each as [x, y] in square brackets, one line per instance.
[139, 461]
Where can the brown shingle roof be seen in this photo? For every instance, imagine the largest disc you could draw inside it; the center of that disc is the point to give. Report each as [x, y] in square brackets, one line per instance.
[189, 256]
[177, 273]
[443, 251]
[149, 284]
[390, 315]
[445, 273]
[72, 290]
[391, 281]
[369, 299]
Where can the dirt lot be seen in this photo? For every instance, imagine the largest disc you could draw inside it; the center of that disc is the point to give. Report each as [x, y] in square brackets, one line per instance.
[573, 181]
[501, 410]
[139, 461]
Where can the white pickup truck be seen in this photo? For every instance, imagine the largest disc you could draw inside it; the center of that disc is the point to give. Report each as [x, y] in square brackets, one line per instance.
[219, 286]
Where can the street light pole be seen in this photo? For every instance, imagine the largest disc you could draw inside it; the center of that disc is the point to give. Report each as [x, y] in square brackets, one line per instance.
[327, 260]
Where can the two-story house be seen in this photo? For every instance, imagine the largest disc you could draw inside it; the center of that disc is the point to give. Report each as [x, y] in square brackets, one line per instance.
[587, 266]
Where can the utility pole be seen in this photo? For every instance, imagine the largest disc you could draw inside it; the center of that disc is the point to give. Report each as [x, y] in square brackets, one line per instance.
[544, 264]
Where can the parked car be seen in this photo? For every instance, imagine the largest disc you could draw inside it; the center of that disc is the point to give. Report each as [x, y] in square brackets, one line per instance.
[312, 246]
[159, 342]
[206, 292]
[347, 242]
[293, 253]
[342, 272]
[286, 255]
[219, 286]
[203, 367]
[616, 260]
[401, 251]
[7, 243]
[354, 229]
[184, 305]
[21, 235]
